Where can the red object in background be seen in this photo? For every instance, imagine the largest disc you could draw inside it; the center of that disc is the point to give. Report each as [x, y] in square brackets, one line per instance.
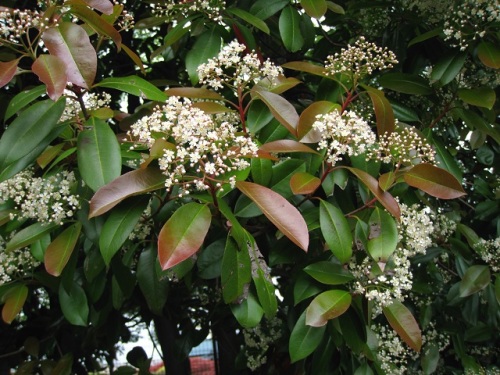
[199, 366]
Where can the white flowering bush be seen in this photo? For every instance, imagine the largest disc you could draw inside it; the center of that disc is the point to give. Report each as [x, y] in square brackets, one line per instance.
[312, 183]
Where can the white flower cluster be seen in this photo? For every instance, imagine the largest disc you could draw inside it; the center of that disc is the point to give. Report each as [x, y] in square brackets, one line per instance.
[431, 11]
[143, 227]
[15, 23]
[233, 68]
[404, 146]
[470, 20]
[91, 101]
[416, 229]
[202, 147]
[258, 341]
[360, 59]
[177, 10]
[15, 263]
[489, 251]
[343, 134]
[46, 200]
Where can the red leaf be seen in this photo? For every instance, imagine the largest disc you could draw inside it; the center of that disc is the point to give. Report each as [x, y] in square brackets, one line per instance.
[286, 145]
[71, 44]
[305, 132]
[434, 181]
[279, 211]
[183, 234]
[304, 183]
[383, 111]
[7, 71]
[404, 323]
[103, 6]
[59, 251]
[15, 299]
[51, 70]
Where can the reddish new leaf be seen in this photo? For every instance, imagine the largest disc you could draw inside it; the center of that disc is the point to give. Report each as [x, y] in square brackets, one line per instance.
[304, 183]
[286, 145]
[132, 183]
[183, 234]
[194, 92]
[279, 211]
[305, 131]
[404, 323]
[71, 44]
[326, 306]
[14, 302]
[7, 71]
[307, 67]
[489, 54]
[51, 70]
[434, 181]
[383, 111]
[59, 251]
[103, 6]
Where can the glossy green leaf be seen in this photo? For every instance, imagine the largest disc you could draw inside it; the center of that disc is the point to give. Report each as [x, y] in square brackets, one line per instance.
[304, 339]
[480, 97]
[194, 93]
[50, 153]
[206, 46]
[384, 113]
[74, 304]
[282, 175]
[119, 225]
[329, 273]
[306, 67]
[430, 358]
[447, 68]
[153, 287]
[383, 235]
[404, 323]
[266, 292]
[249, 18]
[183, 234]
[279, 84]
[264, 9]
[281, 109]
[304, 183]
[258, 116]
[236, 271]
[28, 235]
[136, 182]
[314, 8]
[304, 288]
[59, 251]
[22, 99]
[286, 145]
[386, 180]
[489, 54]
[475, 121]
[425, 36]
[335, 8]
[71, 44]
[308, 117]
[51, 70]
[177, 32]
[405, 114]
[7, 71]
[406, 83]
[99, 155]
[279, 211]
[434, 181]
[476, 278]
[261, 170]
[445, 160]
[326, 306]
[289, 26]
[134, 85]
[14, 302]
[248, 313]
[31, 131]
[336, 231]
[209, 262]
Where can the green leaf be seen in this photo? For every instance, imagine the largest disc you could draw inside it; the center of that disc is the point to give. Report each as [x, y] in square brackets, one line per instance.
[430, 358]
[329, 273]
[119, 225]
[314, 8]
[266, 292]
[153, 287]
[14, 302]
[28, 235]
[248, 313]
[194, 93]
[497, 288]
[262, 170]
[249, 18]
[258, 116]
[136, 182]
[336, 231]
[74, 304]
[406, 83]
[383, 111]
[434, 181]
[335, 8]
[304, 339]
[279, 211]
[7, 71]
[304, 183]
[476, 278]
[209, 261]
[404, 323]
[236, 271]
[281, 109]
[403, 113]
[425, 36]
[303, 289]
[71, 44]
[282, 175]
[59, 251]
[445, 160]
[264, 9]
[206, 46]
[480, 97]
[32, 130]
[383, 235]
[489, 54]
[326, 306]
[50, 153]
[183, 234]
[177, 32]
[51, 70]
[99, 155]
[22, 99]
[307, 67]
[134, 85]
[447, 68]
[308, 117]
[289, 26]
[475, 121]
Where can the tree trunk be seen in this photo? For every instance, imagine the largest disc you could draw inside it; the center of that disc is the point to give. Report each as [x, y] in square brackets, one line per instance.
[166, 333]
